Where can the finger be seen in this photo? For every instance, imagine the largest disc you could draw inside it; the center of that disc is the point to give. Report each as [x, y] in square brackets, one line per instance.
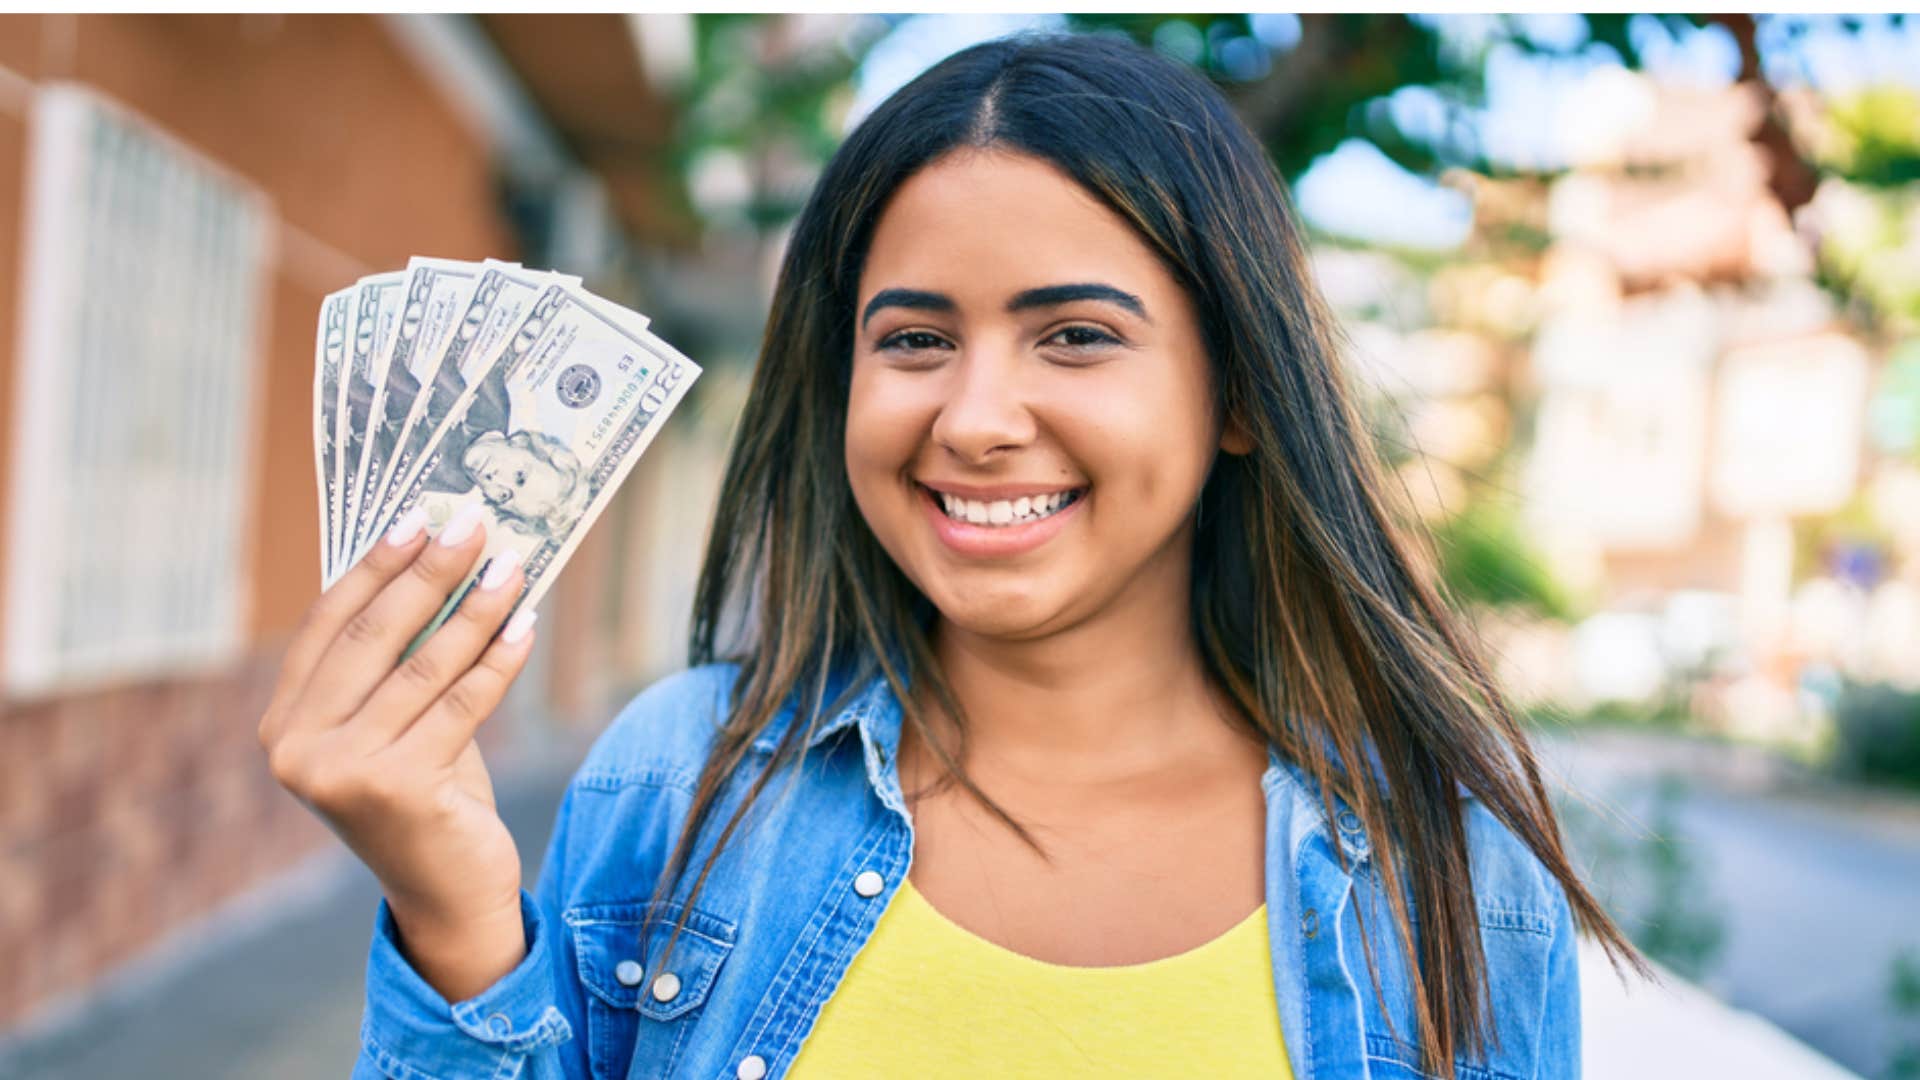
[371, 641]
[421, 678]
[443, 733]
[341, 601]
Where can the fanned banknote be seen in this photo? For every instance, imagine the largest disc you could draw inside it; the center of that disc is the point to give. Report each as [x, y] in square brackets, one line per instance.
[329, 353]
[490, 385]
[375, 310]
[434, 300]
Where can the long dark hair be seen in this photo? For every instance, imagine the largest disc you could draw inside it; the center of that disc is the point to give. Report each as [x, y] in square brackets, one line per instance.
[1311, 607]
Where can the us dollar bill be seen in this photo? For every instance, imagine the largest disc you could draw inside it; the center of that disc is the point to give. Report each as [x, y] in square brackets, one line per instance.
[498, 304]
[392, 307]
[330, 350]
[585, 392]
[436, 294]
[375, 309]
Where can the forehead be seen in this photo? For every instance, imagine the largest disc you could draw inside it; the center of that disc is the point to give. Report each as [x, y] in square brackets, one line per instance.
[994, 222]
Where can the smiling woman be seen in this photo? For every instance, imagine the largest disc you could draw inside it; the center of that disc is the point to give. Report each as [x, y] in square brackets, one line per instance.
[1105, 523]
[1118, 728]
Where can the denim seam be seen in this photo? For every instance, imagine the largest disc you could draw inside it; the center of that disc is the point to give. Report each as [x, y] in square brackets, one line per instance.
[1517, 919]
[1300, 948]
[784, 1032]
[1394, 1052]
[507, 1069]
[611, 781]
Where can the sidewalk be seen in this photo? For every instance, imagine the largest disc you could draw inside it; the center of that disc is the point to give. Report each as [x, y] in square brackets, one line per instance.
[1677, 1030]
[272, 986]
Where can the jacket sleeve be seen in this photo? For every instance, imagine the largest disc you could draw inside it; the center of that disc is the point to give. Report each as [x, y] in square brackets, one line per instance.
[1559, 1055]
[523, 1026]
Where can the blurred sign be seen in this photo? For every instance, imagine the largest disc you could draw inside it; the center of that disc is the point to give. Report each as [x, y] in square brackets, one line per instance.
[1788, 422]
[134, 411]
[1620, 439]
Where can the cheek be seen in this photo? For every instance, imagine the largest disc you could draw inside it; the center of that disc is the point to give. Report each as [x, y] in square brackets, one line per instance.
[1143, 440]
[886, 420]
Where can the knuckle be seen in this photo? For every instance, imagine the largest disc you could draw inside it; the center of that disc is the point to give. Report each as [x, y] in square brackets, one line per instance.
[365, 628]
[317, 613]
[500, 665]
[435, 565]
[288, 765]
[500, 662]
[423, 670]
[331, 783]
[483, 607]
[381, 558]
[466, 700]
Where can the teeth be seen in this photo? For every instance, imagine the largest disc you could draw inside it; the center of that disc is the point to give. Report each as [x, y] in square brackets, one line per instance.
[1003, 511]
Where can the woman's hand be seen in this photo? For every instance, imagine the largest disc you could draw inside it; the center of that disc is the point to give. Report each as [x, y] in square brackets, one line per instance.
[384, 754]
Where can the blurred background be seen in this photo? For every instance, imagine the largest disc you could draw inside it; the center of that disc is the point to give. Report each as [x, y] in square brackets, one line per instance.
[1634, 302]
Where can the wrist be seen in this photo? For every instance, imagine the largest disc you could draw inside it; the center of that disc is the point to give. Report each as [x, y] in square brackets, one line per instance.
[461, 959]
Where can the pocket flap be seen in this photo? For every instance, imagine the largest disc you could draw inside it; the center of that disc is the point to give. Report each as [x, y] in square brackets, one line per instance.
[607, 936]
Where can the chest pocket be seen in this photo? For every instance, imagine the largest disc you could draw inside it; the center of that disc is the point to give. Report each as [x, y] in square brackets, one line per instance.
[1516, 945]
[627, 986]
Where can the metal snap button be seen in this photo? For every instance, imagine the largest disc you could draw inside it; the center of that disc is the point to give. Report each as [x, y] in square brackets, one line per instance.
[869, 883]
[752, 1067]
[499, 1024]
[629, 973]
[1310, 923]
[1349, 821]
[666, 987]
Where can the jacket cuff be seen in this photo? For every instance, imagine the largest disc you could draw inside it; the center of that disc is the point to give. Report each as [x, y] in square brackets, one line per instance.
[414, 1033]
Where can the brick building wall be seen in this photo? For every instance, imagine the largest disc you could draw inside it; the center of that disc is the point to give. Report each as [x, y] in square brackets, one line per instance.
[130, 810]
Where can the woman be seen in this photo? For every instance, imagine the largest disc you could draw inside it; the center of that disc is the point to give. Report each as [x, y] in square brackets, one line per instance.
[1064, 699]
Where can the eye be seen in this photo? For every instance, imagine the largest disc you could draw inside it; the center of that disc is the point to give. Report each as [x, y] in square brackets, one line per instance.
[519, 477]
[1083, 337]
[910, 341]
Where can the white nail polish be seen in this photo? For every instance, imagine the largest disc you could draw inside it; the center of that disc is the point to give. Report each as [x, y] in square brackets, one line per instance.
[408, 527]
[499, 568]
[518, 626]
[462, 525]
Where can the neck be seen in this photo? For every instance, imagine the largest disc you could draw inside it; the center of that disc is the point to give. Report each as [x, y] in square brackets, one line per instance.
[1119, 696]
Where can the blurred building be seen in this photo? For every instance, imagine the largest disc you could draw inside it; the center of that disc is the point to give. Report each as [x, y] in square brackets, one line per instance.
[176, 196]
[1712, 455]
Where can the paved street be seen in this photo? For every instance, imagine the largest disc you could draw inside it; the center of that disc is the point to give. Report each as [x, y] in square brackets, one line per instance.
[279, 998]
[1815, 889]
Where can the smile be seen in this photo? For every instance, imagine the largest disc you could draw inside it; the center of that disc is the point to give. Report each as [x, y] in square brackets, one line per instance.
[1003, 512]
[967, 527]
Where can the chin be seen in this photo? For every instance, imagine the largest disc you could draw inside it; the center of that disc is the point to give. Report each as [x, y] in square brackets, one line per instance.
[1015, 614]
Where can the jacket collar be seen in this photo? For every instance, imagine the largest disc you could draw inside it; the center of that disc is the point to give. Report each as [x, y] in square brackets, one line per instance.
[875, 711]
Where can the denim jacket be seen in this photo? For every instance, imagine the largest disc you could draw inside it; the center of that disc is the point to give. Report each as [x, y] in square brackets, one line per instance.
[792, 901]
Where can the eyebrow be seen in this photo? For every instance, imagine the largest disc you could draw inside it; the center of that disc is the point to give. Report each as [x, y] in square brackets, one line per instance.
[1045, 296]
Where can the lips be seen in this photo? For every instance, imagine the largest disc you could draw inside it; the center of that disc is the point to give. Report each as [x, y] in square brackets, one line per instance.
[972, 541]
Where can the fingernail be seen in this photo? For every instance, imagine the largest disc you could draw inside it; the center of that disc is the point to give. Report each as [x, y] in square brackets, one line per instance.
[408, 527]
[498, 568]
[518, 626]
[462, 525]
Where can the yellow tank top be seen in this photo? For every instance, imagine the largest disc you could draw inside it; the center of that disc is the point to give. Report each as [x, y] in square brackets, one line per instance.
[930, 999]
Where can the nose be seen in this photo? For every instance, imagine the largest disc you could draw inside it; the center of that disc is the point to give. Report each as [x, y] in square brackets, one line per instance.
[986, 406]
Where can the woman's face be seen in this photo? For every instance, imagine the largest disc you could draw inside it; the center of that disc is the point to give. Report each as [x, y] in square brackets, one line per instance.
[1017, 345]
